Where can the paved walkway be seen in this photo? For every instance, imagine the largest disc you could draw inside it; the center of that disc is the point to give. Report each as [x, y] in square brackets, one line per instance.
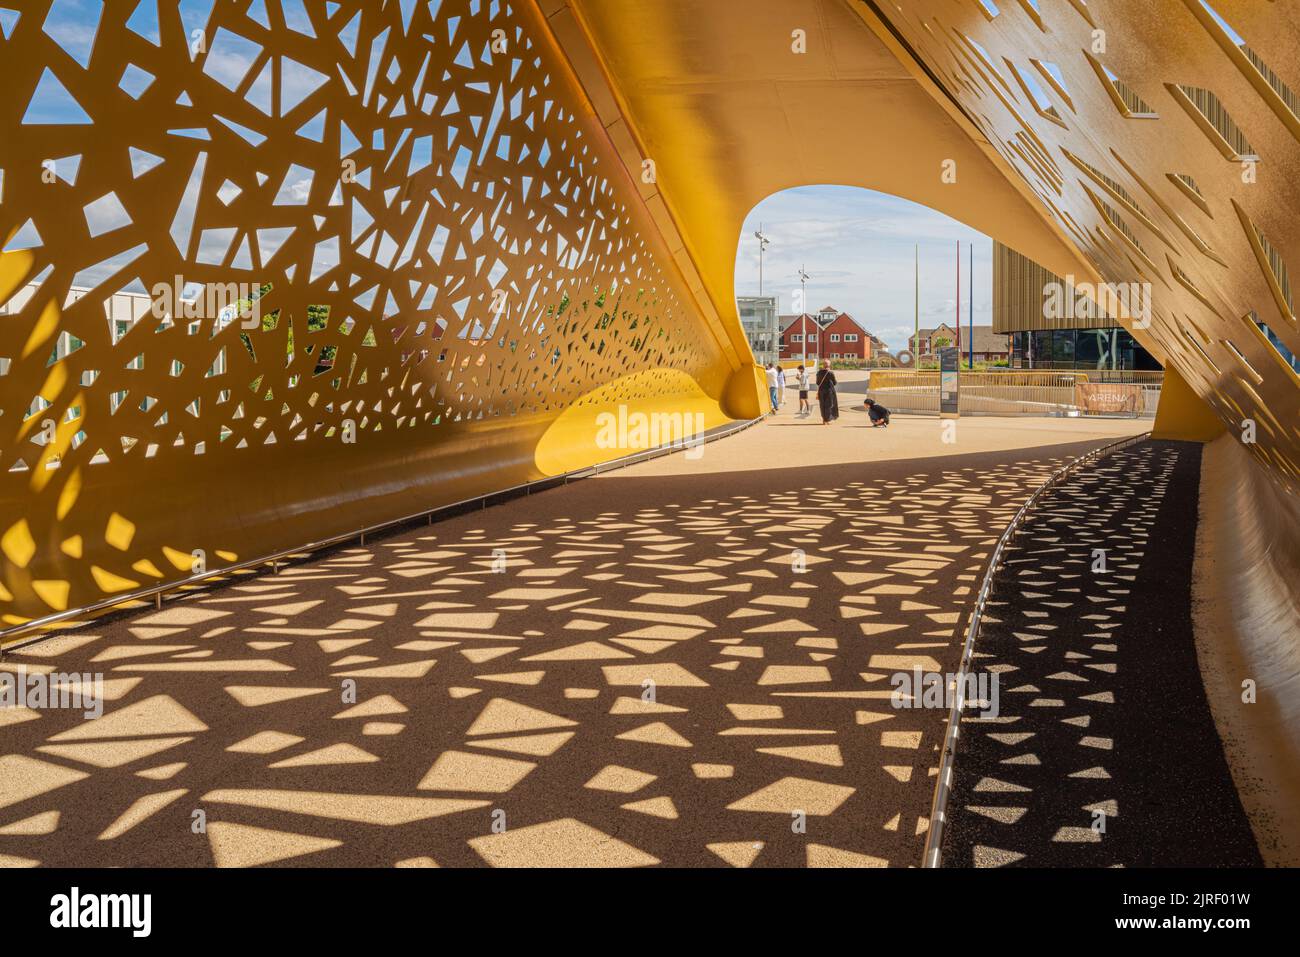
[684, 662]
[1104, 752]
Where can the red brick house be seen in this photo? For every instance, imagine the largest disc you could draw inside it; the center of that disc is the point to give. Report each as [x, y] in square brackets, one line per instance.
[794, 331]
[932, 340]
[845, 339]
[830, 334]
[989, 347]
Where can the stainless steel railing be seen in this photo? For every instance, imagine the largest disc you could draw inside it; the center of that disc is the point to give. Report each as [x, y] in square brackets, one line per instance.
[1009, 392]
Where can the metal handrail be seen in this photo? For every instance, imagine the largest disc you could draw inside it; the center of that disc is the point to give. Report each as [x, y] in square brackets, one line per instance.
[1002, 392]
[943, 782]
[891, 378]
[156, 592]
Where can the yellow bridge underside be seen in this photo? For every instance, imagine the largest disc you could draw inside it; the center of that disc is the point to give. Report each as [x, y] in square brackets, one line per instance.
[471, 233]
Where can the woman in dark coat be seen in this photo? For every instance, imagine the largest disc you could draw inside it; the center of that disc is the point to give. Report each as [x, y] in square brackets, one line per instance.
[826, 398]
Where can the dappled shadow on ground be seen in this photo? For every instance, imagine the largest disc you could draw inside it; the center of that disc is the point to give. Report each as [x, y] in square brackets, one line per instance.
[1105, 751]
[688, 670]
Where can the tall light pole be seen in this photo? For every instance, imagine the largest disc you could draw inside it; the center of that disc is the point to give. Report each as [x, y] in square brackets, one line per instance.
[763, 242]
[772, 334]
[916, 309]
[803, 311]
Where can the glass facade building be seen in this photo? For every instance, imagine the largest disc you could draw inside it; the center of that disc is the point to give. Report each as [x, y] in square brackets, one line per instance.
[1082, 349]
[758, 317]
[1048, 340]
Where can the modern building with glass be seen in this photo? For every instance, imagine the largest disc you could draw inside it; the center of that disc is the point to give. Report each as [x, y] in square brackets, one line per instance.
[1040, 341]
[758, 317]
[1108, 348]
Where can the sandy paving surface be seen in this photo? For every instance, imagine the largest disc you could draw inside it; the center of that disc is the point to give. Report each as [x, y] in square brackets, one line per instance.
[685, 662]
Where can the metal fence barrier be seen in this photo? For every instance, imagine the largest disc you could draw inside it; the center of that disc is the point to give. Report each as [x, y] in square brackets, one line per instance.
[1008, 392]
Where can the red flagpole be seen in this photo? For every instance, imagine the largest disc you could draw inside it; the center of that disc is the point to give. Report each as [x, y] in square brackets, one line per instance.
[959, 300]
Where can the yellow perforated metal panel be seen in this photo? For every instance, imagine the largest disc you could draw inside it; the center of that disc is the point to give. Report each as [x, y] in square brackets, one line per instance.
[1164, 138]
[276, 272]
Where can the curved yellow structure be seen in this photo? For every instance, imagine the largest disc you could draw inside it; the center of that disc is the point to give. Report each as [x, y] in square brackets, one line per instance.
[386, 248]
[1121, 143]
[384, 251]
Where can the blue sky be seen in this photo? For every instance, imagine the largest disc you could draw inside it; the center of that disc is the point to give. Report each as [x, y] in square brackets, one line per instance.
[857, 246]
[74, 25]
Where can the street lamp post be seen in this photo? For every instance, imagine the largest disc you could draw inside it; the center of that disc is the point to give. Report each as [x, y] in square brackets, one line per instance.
[763, 242]
[803, 312]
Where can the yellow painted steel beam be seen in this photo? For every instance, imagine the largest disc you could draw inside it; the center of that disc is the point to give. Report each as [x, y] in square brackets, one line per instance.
[1102, 139]
[730, 113]
[1182, 414]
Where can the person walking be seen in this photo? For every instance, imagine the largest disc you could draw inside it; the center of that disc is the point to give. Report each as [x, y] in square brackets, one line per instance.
[771, 386]
[804, 407]
[827, 401]
[878, 414]
[780, 386]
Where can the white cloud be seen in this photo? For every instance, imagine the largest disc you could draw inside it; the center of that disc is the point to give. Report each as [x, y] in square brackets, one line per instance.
[857, 246]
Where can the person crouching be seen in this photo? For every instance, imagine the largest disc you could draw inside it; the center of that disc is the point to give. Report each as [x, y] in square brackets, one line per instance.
[878, 414]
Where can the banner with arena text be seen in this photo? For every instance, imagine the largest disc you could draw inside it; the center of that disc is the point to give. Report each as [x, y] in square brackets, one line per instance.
[1108, 397]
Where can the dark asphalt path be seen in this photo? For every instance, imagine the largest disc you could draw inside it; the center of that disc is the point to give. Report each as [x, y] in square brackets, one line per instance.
[1104, 719]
